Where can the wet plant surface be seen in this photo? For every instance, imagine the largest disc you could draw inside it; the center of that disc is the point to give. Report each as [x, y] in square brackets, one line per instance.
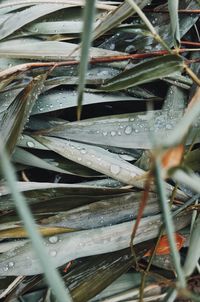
[99, 116]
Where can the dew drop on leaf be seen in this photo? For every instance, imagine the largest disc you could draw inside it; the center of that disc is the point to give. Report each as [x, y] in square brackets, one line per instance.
[53, 253]
[30, 144]
[114, 169]
[128, 130]
[53, 239]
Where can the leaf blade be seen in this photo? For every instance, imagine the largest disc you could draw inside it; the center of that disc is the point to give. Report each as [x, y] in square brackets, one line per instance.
[144, 72]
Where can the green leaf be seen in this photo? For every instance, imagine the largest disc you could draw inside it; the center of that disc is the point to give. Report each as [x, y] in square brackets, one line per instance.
[21, 18]
[84, 243]
[51, 163]
[124, 130]
[57, 100]
[107, 211]
[95, 158]
[191, 180]
[55, 28]
[45, 197]
[31, 48]
[145, 72]
[113, 19]
[173, 11]
[169, 225]
[53, 277]
[17, 114]
[88, 18]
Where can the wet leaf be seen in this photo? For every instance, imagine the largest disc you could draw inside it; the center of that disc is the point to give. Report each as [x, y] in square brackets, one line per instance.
[35, 49]
[83, 243]
[58, 100]
[173, 11]
[125, 130]
[18, 112]
[108, 211]
[95, 158]
[113, 19]
[21, 18]
[144, 72]
[193, 252]
[26, 158]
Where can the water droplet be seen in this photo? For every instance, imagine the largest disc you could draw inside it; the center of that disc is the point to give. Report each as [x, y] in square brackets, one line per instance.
[128, 130]
[30, 144]
[53, 239]
[113, 133]
[5, 268]
[105, 133]
[11, 264]
[136, 130]
[114, 169]
[83, 151]
[112, 46]
[53, 253]
[168, 126]
[127, 157]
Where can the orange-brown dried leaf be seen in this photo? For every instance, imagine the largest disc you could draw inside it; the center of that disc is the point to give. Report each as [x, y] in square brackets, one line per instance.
[172, 157]
[163, 247]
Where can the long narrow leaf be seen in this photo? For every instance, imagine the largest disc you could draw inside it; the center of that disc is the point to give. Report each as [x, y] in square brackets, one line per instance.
[17, 114]
[84, 243]
[194, 250]
[145, 72]
[89, 14]
[173, 11]
[50, 272]
[113, 19]
[169, 224]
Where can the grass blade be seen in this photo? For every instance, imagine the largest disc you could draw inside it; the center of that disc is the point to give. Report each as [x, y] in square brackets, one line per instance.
[51, 274]
[89, 13]
[194, 250]
[169, 224]
[173, 12]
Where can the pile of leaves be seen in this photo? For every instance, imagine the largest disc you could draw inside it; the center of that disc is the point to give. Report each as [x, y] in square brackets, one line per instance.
[106, 156]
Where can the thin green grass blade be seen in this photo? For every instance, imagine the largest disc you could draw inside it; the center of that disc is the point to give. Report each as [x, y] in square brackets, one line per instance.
[169, 224]
[173, 12]
[191, 180]
[51, 274]
[89, 14]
